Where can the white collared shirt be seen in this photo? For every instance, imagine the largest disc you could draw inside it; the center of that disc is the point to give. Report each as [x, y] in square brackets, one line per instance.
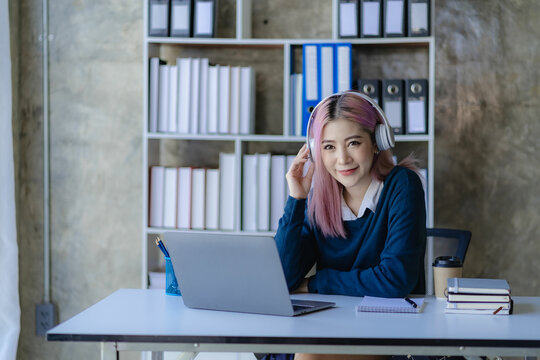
[370, 201]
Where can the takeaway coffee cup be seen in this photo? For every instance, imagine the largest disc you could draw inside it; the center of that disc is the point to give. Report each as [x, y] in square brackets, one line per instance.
[445, 267]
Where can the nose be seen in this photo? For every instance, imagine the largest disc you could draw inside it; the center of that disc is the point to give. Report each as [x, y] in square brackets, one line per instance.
[343, 155]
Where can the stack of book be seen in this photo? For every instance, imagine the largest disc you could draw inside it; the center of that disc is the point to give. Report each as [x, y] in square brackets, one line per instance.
[478, 296]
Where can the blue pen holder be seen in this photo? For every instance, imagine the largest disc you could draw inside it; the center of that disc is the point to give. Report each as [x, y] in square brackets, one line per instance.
[171, 284]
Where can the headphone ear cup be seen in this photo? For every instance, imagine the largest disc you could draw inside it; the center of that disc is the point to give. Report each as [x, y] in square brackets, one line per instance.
[382, 138]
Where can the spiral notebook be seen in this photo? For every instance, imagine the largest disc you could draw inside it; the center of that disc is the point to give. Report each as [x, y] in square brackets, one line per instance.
[389, 305]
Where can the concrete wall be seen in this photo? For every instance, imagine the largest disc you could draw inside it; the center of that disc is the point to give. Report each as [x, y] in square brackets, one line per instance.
[487, 105]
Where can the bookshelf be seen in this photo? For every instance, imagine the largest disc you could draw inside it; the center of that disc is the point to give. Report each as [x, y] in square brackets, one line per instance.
[269, 57]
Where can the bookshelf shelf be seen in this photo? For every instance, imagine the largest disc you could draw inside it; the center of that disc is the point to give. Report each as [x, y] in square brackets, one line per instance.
[274, 59]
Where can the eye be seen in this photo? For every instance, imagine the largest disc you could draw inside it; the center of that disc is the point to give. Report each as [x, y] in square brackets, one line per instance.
[328, 147]
[354, 143]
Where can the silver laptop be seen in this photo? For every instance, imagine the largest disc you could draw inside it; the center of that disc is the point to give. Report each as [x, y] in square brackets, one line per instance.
[233, 273]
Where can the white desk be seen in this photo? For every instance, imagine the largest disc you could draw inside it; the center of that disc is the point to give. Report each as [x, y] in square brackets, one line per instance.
[148, 320]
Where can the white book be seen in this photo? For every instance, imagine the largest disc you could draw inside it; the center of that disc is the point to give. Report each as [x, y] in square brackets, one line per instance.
[224, 99]
[290, 159]
[327, 70]
[194, 95]
[173, 99]
[227, 191]
[184, 90]
[298, 105]
[278, 189]
[263, 191]
[235, 100]
[198, 190]
[154, 94]
[163, 114]
[247, 100]
[249, 193]
[213, 99]
[203, 97]
[183, 219]
[212, 199]
[170, 198]
[157, 178]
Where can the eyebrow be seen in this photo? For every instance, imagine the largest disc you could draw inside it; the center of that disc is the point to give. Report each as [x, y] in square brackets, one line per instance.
[346, 139]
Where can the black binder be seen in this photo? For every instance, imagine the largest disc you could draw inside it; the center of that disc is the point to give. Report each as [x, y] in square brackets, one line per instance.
[392, 103]
[416, 100]
[181, 17]
[394, 18]
[204, 18]
[371, 88]
[370, 18]
[158, 17]
[418, 17]
[348, 18]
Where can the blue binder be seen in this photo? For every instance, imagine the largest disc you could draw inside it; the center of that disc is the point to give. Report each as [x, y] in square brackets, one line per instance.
[311, 89]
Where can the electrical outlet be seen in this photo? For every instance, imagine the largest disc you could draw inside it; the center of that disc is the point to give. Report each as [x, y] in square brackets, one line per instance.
[44, 318]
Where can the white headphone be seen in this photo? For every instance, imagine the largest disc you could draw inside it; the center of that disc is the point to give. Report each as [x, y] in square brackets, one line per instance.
[384, 135]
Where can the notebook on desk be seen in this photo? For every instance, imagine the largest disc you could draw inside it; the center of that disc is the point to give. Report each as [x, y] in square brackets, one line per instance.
[233, 273]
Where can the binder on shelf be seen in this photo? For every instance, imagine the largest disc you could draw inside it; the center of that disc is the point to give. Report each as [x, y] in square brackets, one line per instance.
[163, 115]
[348, 18]
[370, 18]
[227, 191]
[157, 180]
[181, 18]
[158, 18]
[394, 18]
[327, 69]
[235, 100]
[249, 193]
[183, 212]
[198, 190]
[311, 86]
[277, 189]
[194, 96]
[247, 100]
[203, 97]
[343, 67]
[173, 97]
[184, 93]
[212, 199]
[392, 101]
[155, 64]
[416, 102]
[263, 191]
[204, 19]
[224, 99]
[418, 15]
[169, 196]
[213, 99]
[298, 105]
[371, 88]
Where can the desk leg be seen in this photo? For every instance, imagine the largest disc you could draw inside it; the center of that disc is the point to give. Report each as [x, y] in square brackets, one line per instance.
[109, 352]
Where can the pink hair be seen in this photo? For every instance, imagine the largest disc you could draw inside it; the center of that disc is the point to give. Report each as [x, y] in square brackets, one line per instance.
[324, 204]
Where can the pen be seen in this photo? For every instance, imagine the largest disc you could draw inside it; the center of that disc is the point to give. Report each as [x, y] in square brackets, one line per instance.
[411, 302]
[161, 247]
[496, 311]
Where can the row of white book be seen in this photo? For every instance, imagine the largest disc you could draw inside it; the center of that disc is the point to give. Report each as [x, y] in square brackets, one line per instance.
[478, 296]
[194, 97]
[200, 198]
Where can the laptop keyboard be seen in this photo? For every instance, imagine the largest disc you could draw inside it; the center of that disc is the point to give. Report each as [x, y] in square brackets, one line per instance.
[301, 307]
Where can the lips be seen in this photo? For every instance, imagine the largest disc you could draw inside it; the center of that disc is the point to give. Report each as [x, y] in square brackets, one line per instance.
[347, 172]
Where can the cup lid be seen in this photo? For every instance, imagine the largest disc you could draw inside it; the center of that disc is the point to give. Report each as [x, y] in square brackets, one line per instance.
[447, 261]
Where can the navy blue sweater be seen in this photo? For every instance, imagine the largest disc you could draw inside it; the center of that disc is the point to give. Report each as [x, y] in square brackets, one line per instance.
[382, 255]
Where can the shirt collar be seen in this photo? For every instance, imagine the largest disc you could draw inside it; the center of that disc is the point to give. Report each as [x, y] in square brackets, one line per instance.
[370, 201]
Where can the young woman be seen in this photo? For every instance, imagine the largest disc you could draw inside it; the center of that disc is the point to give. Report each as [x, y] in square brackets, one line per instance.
[361, 219]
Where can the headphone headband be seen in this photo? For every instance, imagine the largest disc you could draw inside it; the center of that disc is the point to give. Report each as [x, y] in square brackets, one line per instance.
[384, 135]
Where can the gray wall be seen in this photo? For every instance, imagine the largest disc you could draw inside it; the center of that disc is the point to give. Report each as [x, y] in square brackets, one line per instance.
[487, 101]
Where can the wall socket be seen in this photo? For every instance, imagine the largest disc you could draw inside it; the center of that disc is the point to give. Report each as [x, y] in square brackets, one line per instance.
[45, 318]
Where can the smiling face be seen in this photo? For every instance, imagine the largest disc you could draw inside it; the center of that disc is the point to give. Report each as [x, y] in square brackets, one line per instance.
[347, 153]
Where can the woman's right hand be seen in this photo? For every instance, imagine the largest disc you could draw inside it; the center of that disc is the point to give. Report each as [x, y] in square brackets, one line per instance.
[299, 184]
